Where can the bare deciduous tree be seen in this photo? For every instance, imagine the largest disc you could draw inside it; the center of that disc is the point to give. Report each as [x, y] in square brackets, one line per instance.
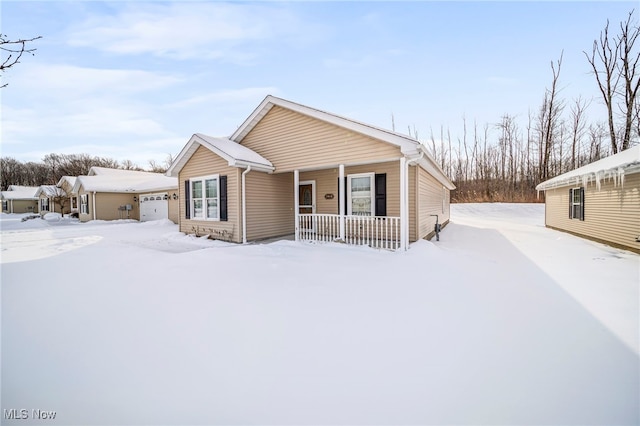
[615, 62]
[12, 51]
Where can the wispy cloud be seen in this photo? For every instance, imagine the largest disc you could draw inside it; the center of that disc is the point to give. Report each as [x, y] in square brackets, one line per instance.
[186, 30]
[75, 81]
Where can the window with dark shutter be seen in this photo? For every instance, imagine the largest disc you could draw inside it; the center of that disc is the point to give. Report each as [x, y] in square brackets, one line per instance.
[381, 194]
[345, 196]
[576, 203]
[223, 198]
[187, 199]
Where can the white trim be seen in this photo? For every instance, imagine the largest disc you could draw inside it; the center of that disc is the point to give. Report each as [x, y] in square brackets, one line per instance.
[296, 203]
[205, 208]
[313, 200]
[94, 205]
[217, 146]
[404, 204]
[372, 191]
[244, 205]
[341, 202]
[313, 195]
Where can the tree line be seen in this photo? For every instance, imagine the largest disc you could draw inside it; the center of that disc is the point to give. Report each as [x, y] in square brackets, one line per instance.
[54, 166]
[491, 162]
[504, 162]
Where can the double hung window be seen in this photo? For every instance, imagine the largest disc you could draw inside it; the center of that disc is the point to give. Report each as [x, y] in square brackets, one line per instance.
[361, 194]
[84, 203]
[576, 203]
[205, 198]
[44, 204]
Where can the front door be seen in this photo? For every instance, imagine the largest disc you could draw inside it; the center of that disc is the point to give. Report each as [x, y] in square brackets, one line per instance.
[307, 202]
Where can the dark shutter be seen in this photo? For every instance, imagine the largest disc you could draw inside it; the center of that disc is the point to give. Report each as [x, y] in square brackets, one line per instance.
[88, 203]
[581, 203]
[571, 204]
[345, 195]
[187, 199]
[381, 195]
[223, 198]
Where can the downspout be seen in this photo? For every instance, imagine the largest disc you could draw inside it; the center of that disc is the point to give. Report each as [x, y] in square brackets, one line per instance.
[404, 198]
[94, 205]
[244, 205]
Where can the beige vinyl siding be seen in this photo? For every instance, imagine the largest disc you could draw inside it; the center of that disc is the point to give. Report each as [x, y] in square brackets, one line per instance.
[174, 207]
[204, 163]
[107, 204]
[291, 140]
[327, 183]
[432, 198]
[23, 206]
[270, 209]
[612, 214]
[412, 178]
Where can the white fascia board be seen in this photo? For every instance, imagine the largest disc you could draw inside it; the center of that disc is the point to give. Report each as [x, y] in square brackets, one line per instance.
[429, 164]
[190, 148]
[181, 159]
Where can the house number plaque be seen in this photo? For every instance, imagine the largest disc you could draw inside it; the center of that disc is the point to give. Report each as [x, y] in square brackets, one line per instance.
[328, 196]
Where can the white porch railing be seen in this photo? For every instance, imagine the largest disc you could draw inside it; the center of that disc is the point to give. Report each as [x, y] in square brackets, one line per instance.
[374, 231]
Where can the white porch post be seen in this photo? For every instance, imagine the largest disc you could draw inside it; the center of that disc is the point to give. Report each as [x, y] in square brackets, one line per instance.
[404, 207]
[341, 202]
[94, 205]
[296, 202]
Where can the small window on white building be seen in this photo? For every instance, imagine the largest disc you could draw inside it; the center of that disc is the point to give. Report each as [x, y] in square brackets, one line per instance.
[44, 204]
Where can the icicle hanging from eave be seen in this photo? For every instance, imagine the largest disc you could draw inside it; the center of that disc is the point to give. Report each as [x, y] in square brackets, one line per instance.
[621, 176]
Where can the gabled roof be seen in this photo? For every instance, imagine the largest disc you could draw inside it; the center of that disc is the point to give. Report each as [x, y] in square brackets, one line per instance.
[69, 180]
[612, 167]
[50, 191]
[408, 146]
[234, 153]
[18, 192]
[118, 180]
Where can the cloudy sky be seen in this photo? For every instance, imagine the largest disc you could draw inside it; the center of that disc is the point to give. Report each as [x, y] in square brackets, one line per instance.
[134, 80]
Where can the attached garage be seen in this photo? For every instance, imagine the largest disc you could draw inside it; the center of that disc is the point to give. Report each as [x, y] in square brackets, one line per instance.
[154, 206]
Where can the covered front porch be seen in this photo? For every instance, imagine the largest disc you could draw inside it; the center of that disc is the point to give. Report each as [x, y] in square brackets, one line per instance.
[358, 204]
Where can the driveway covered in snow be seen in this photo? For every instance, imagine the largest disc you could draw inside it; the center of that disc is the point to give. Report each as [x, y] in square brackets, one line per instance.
[501, 322]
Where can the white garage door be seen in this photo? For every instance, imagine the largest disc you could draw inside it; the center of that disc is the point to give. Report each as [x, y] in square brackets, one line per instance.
[154, 207]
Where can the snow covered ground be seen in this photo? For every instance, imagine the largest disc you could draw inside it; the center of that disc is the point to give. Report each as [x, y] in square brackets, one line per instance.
[501, 322]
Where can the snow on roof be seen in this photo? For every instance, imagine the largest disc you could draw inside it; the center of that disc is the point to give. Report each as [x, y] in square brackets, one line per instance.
[613, 167]
[50, 191]
[117, 180]
[236, 155]
[70, 180]
[18, 192]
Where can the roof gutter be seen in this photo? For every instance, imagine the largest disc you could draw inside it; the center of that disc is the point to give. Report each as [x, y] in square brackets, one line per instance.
[252, 166]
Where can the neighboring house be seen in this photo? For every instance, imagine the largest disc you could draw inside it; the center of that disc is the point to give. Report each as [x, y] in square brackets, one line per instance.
[49, 198]
[600, 201]
[19, 199]
[109, 194]
[294, 170]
